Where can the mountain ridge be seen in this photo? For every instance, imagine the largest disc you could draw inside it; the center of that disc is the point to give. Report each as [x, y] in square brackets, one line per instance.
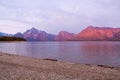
[98, 33]
[90, 33]
[34, 34]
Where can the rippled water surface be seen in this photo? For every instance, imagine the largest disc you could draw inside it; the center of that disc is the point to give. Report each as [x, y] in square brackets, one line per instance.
[90, 52]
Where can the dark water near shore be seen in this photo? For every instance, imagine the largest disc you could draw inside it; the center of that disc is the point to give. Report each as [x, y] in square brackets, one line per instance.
[88, 52]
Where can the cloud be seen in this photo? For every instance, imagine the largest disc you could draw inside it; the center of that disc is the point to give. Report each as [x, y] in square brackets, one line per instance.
[11, 26]
[56, 15]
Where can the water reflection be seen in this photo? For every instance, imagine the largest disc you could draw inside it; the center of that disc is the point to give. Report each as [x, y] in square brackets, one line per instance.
[101, 52]
[79, 52]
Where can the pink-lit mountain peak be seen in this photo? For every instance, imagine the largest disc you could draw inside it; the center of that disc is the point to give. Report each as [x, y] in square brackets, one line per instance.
[34, 30]
[90, 33]
[98, 33]
[96, 27]
[101, 28]
[64, 36]
[90, 27]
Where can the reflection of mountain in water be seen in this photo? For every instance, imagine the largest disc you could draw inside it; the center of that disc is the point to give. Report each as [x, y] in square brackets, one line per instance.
[87, 52]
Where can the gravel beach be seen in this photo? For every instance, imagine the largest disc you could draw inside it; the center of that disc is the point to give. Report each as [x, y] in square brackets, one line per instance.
[14, 67]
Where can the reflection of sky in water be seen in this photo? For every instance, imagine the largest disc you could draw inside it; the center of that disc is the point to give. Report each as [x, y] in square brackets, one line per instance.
[79, 52]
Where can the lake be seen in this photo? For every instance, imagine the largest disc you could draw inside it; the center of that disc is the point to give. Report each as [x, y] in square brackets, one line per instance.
[87, 52]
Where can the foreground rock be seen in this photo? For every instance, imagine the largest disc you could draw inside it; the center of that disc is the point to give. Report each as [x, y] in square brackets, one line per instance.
[24, 68]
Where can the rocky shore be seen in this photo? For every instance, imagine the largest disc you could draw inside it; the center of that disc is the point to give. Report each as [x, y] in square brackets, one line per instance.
[14, 67]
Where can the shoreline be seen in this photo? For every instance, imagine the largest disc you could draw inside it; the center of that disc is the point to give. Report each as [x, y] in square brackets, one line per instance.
[20, 67]
[53, 59]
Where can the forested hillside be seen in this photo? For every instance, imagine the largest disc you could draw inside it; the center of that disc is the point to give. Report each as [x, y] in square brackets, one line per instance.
[8, 38]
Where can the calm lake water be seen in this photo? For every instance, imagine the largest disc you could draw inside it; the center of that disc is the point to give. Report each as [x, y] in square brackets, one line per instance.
[88, 52]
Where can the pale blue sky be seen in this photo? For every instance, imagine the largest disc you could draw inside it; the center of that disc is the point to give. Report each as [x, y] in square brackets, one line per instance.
[56, 15]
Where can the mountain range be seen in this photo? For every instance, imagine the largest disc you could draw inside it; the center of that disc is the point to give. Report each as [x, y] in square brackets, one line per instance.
[34, 34]
[91, 33]
[5, 34]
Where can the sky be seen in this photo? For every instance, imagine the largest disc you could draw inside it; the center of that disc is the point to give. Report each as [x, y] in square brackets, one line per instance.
[53, 16]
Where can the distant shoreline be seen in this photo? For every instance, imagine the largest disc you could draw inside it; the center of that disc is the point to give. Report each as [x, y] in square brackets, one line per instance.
[21, 67]
[60, 41]
[11, 38]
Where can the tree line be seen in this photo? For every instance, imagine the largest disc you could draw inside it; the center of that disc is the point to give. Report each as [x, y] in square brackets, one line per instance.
[11, 38]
